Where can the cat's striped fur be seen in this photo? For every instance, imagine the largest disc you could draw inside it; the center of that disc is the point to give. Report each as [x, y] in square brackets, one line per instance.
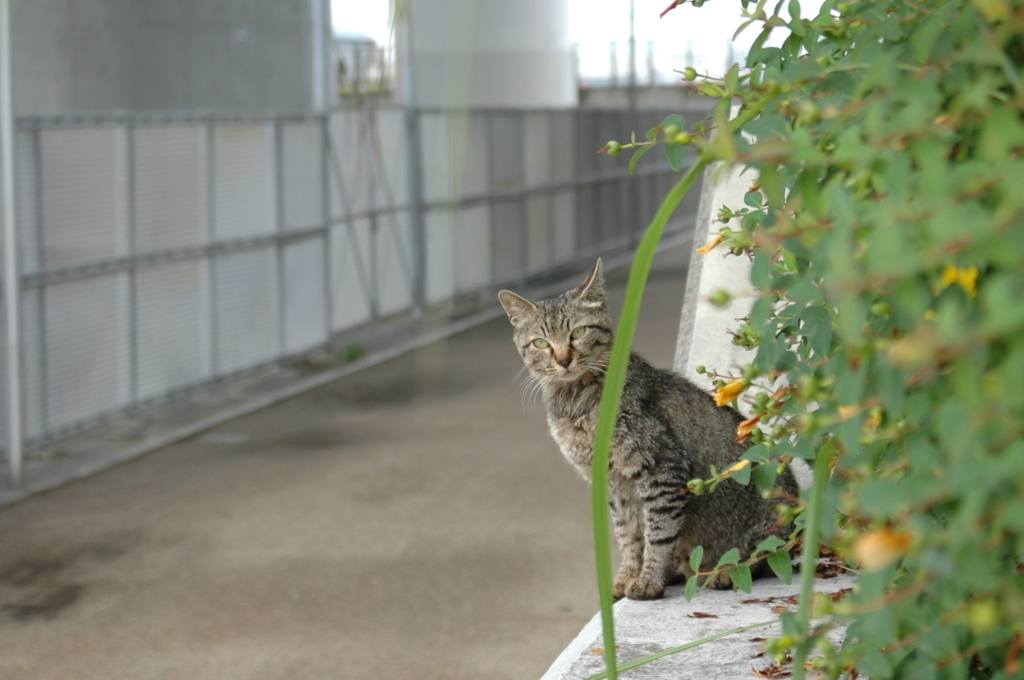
[668, 432]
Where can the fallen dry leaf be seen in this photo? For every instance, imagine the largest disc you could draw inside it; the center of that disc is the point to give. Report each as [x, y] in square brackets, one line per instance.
[702, 615]
[827, 570]
[773, 671]
[840, 594]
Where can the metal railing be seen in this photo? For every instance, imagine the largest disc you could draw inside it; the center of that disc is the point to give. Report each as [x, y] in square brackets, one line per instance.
[160, 252]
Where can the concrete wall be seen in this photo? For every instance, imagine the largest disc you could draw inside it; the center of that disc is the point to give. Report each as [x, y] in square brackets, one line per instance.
[86, 55]
[490, 53]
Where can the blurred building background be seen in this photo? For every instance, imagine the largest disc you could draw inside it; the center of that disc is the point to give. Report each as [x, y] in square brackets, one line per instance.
[208, 187]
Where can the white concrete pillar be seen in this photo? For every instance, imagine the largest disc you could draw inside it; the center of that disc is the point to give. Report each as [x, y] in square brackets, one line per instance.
[489, 53]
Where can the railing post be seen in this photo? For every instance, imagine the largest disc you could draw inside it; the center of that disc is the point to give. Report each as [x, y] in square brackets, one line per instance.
[416, 225]
[415, 171]
[325, 200]
[133, 272]
[277, 149]
[369, 113]
[12, 287]
[211, 257]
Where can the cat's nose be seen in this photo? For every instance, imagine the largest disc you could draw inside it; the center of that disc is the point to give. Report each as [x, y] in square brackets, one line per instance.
[564, 361]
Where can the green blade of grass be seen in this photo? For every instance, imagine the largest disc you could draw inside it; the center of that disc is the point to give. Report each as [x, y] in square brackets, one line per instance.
[809, 554]
[682, 648]
[615, 380]
[612, 395]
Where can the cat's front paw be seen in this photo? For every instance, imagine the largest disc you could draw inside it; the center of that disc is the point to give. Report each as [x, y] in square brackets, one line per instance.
[641, 588]
[623, 578]
[720, 581]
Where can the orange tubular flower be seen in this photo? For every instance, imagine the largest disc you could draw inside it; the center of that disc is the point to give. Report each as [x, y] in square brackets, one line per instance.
[726, 393]
[744, 429]
[707, 247]
[876, 550]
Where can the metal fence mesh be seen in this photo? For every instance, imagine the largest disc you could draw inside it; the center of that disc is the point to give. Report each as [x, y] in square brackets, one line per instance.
[161, 252]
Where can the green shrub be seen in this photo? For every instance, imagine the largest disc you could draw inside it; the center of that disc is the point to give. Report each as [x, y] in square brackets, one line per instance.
[884, 223]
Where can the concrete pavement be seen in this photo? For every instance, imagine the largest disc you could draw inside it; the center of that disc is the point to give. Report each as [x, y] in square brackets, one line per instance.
[413, 520]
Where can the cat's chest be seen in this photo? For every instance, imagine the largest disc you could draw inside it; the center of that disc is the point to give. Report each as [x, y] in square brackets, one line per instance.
[572, 420]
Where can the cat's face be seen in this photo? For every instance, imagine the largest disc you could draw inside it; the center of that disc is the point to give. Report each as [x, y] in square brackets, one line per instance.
[563, 338]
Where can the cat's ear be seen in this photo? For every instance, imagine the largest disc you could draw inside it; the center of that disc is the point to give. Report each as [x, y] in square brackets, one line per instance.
[516, 306]
[593, 288]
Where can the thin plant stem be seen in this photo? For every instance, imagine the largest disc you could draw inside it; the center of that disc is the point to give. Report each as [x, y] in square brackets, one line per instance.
[615, 380]
[612, 395]
[809, 556]
[682, 648]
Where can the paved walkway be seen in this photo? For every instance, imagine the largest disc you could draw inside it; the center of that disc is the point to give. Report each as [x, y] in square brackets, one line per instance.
[413, 520]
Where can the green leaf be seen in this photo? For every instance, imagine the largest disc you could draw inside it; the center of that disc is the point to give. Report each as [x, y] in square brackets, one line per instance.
[636, 157]
[760, 271]
[696, 557]
[691, 588]
[741, 475]
[741, 577]
[782, 564]
[771, 182]
[674, 119]
[723, 145]
[769, 544]
[817, 327]
[758, 453]
[764, 477]
[761, 312]
[731, 557]
[675, 154]
[874, 664]
[732, 79]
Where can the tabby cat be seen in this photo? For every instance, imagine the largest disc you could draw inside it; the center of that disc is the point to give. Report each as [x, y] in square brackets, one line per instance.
[668, 432]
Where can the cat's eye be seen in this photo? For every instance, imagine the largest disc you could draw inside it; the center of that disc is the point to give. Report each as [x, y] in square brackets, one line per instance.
[578, 332]
[541, 343]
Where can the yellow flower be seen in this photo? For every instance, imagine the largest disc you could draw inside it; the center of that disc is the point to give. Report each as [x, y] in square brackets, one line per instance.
[738, 466]
[876, 550]
[726, 393]
[706, 248]
[950, 275]
[967, 277]
[969, 280]
[847, 412]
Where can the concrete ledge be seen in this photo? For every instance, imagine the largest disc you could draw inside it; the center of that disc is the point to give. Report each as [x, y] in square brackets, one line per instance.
[644, 628]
